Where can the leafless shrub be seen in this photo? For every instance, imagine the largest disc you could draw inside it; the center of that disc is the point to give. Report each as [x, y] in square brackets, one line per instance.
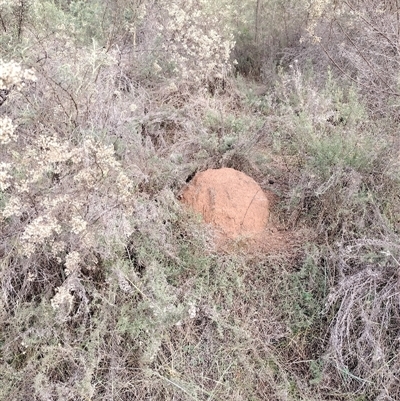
[364, 335]
[361, 39]
[265, 37]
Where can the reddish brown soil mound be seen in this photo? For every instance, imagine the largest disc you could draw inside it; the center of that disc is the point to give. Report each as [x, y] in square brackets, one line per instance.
[230, 200]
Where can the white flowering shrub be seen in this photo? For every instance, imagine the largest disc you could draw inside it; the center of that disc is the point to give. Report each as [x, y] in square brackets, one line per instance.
[65, 191]
[62, 201]
[317, 9]
[4, 176]
[7, 129]
[58, 194]
[12, 77]
[196, 38]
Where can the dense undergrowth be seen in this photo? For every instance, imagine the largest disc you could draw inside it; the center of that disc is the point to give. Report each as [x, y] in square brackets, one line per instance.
[110, 289]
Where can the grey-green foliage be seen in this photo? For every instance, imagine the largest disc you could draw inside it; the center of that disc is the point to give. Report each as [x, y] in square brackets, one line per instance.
[305, 292]
[82, 21]
[343, 149]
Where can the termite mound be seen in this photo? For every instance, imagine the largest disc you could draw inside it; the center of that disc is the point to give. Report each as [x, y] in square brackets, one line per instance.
[229, 200]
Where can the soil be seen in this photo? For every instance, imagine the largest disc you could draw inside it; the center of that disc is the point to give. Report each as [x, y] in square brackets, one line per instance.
[230, 200]
[239, 210]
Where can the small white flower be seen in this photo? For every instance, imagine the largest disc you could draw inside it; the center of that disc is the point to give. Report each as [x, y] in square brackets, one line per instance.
[4, 176]
[72, 261]
[78, 225]
[13, 208]
[62, 299]
[7, 129]
[157, 67]
[192, 311]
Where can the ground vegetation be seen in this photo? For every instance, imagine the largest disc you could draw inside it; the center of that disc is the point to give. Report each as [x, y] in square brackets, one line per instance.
[110, 288]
